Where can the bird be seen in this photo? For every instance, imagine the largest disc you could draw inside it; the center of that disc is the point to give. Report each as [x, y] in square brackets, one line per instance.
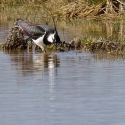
[41, 34]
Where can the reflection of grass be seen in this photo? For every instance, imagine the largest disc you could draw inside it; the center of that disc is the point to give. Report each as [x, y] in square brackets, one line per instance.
[99, 56]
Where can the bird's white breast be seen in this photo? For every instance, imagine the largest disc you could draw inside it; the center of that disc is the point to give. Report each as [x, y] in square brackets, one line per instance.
[51, 38]
[39, 42]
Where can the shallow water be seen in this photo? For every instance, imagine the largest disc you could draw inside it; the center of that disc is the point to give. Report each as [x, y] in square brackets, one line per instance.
[61, 88]
[69, 88]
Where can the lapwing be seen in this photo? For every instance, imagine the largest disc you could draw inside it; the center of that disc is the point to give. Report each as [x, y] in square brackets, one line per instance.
[40, 34]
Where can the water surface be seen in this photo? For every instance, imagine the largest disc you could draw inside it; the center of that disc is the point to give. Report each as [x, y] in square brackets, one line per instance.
[61, 88]
[69, 88]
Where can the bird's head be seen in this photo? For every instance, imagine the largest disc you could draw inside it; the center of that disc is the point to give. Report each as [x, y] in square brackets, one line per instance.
[52, 36]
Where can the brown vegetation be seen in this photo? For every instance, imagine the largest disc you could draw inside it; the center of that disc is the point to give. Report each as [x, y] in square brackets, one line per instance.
[79, 9]
[105, 46]
[63, 9]
[15, 40]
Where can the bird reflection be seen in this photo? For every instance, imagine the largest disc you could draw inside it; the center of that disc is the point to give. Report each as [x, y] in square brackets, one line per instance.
[45, 60]
[30, 64]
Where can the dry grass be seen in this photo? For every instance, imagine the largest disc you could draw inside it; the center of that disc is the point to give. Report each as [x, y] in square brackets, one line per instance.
[61, 9]
[106, 10]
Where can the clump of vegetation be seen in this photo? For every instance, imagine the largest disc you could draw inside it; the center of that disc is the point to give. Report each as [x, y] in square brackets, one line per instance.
[71, 45]
[105, 46]
[15, 40]
[104, 9]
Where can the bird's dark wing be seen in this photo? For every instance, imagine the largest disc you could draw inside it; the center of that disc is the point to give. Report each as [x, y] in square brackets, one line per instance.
[31, 30]
[45, 27]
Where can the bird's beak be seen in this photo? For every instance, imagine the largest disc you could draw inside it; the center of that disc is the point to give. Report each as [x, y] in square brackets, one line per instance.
[54, 41]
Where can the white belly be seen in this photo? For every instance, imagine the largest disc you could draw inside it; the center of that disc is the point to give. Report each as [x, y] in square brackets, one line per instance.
[39, 42]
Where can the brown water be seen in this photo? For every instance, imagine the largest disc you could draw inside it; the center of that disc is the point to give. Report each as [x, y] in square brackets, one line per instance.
[69, 88]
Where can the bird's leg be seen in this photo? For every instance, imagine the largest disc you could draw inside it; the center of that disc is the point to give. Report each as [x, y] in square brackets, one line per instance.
[44, 51]
[35, 48]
